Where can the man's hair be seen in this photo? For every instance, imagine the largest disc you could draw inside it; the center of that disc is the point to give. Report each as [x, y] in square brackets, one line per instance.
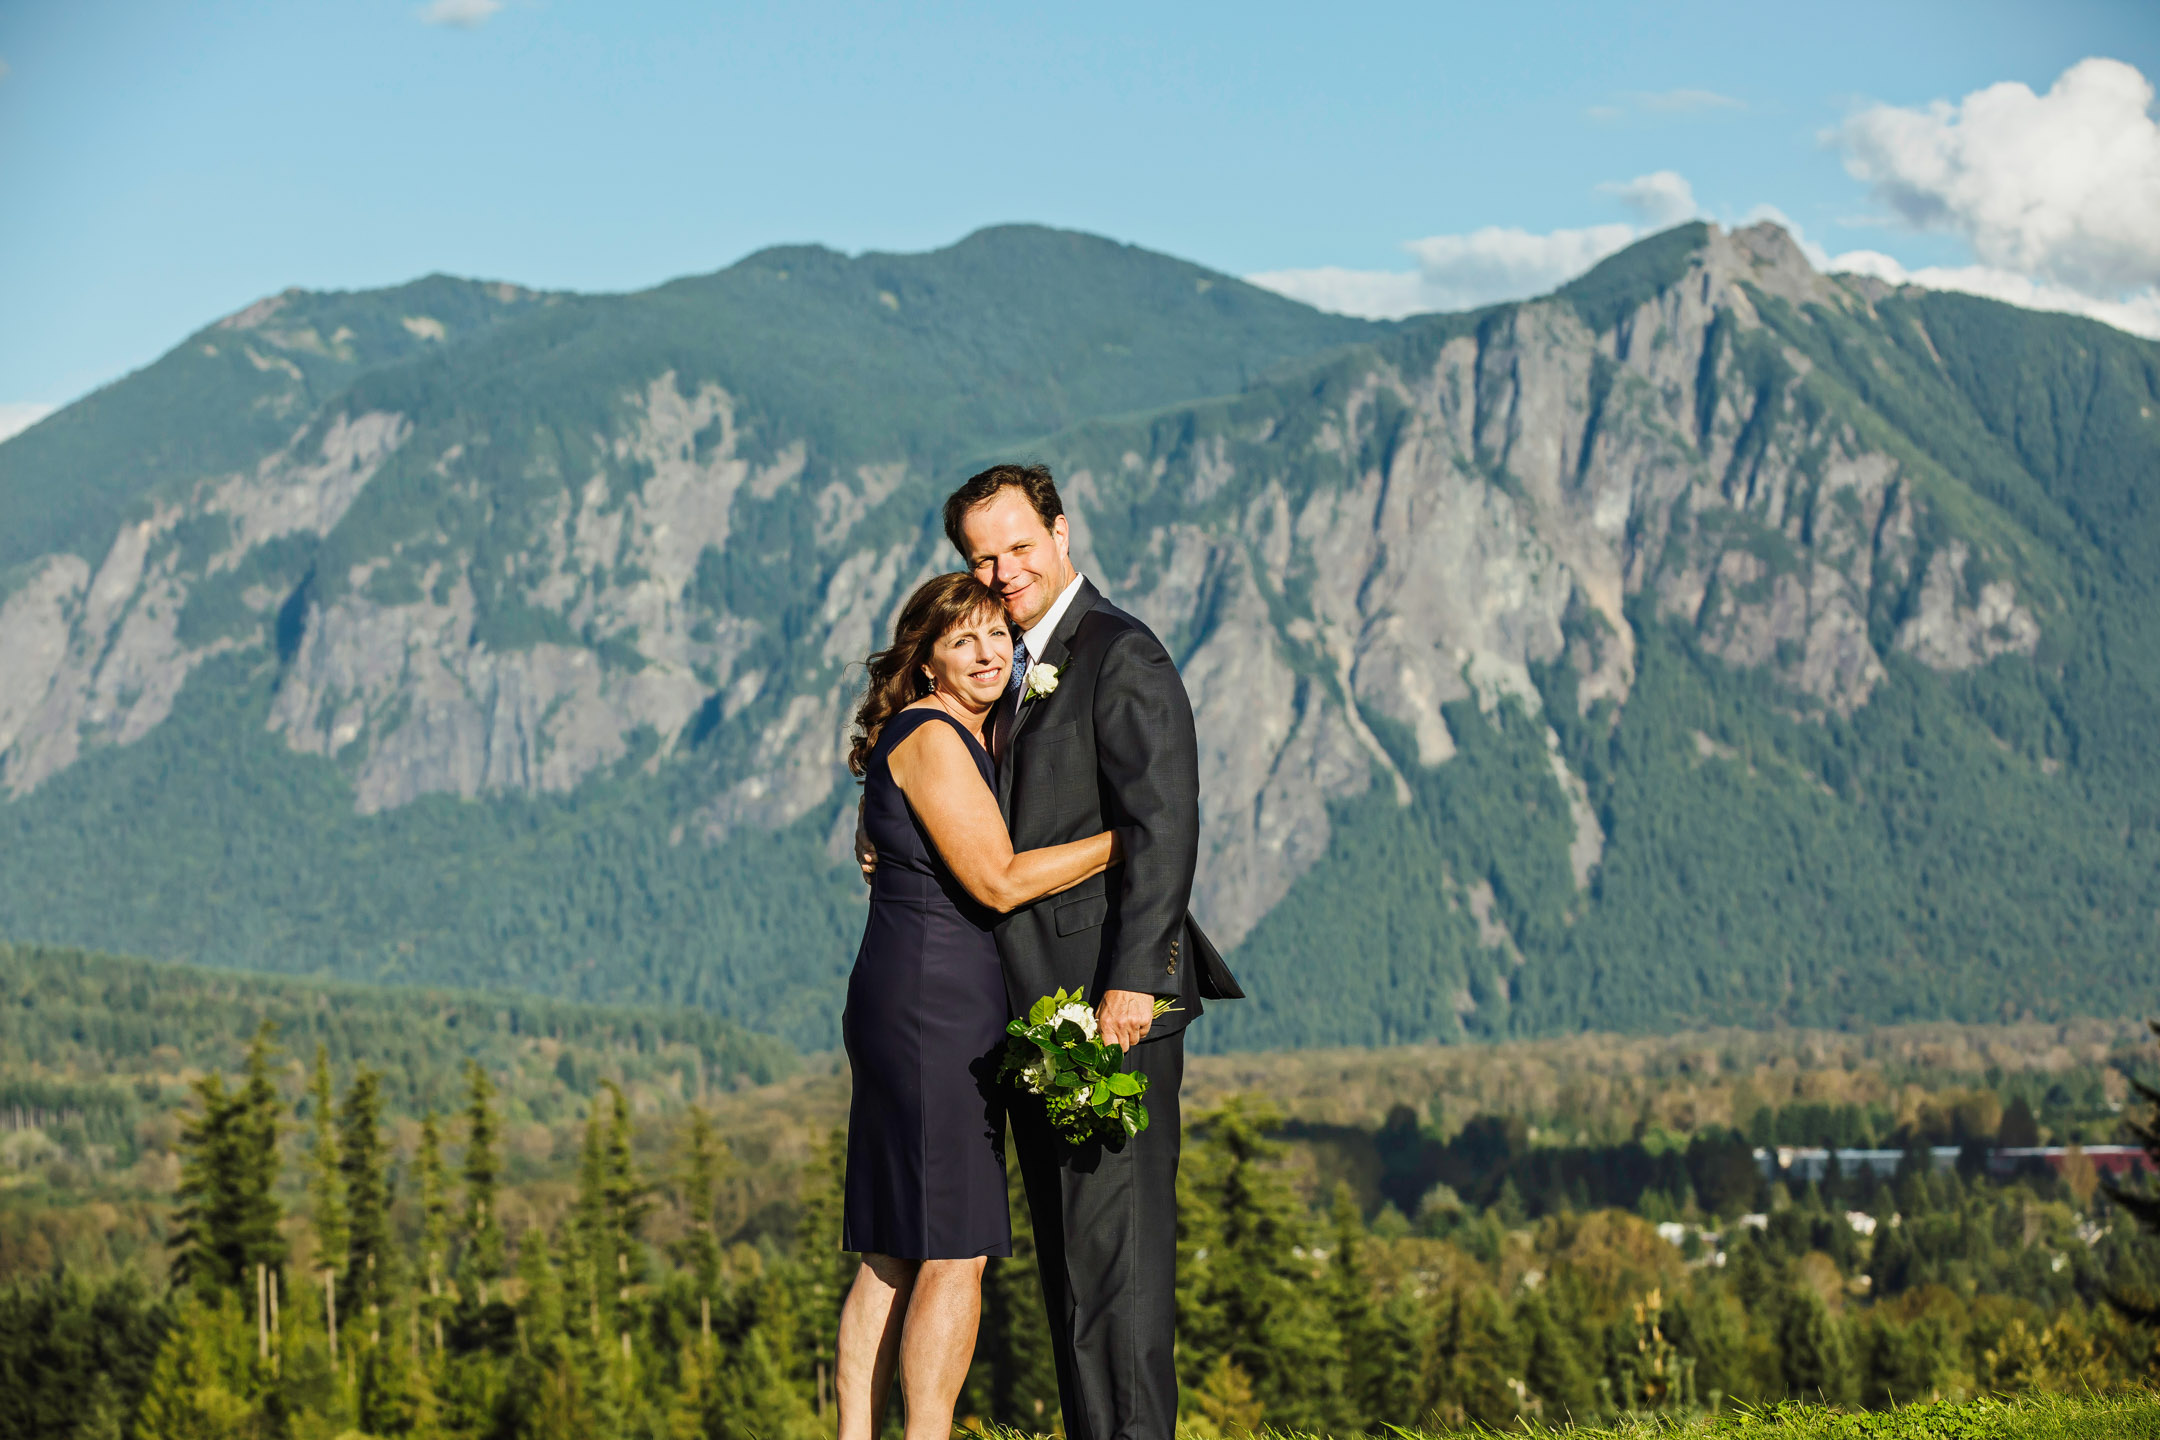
[1032, 481]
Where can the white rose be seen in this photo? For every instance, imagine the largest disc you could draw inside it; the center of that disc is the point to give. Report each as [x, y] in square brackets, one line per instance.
[1080, 1015]
[1041, 680]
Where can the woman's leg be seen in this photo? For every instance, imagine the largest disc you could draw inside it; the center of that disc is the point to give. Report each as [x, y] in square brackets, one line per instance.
[938, 1343]
[870, 1325]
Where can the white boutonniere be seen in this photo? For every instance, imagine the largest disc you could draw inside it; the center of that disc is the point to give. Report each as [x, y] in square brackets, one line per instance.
[1041, 680]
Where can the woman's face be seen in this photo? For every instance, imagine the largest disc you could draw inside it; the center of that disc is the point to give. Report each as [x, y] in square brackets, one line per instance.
[971, 660]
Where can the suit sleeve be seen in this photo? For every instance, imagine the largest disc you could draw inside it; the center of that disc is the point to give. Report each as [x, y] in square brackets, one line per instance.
[1149, 763]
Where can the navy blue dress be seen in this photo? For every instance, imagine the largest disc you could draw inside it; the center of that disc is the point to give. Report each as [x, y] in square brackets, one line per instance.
[925, 1026]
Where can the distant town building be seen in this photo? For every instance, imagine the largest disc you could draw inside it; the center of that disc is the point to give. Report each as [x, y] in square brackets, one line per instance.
[1801, 1162]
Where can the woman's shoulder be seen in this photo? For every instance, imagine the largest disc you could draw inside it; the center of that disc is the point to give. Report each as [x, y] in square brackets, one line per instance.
[916, 726]
[909, 719]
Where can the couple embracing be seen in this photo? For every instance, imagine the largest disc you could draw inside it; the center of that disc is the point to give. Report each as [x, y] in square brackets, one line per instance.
[1030, 823]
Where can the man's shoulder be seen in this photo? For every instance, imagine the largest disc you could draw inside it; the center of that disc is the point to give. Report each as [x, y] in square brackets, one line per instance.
[1105, 624]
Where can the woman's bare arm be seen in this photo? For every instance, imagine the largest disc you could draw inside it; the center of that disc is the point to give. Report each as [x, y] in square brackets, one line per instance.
[934, 770]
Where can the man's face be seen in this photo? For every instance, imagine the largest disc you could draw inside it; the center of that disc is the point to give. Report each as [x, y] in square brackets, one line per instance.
[1011, 551]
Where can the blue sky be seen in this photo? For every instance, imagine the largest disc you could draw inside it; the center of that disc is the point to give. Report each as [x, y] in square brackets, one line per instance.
[166, 162]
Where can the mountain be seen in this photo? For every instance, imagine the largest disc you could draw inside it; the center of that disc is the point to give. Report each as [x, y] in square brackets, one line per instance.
[1712, 641]
[112, 1040]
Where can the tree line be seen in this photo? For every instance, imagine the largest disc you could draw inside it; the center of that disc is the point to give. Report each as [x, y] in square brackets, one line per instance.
[322, 1282]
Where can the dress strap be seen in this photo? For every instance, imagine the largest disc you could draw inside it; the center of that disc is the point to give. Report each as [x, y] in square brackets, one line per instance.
[907, 722]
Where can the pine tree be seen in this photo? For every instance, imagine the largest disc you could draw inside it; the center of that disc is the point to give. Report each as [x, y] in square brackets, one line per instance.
[205, 1252]
[363, 1165]
[1246, 1276]
[627, 1199]
[480, 1257]
[821, 1271]
[1552, 1363]
[228, 1213]
[260, 1241]
[1476, 1355]
[1352, 1306]
[611, 1208]
[434, 1181]
[753, 1398]
[325, 1183]
[541, 1320]
[2143, 1203]
[703, 1155]
[203, 1383]
[1814, 1360]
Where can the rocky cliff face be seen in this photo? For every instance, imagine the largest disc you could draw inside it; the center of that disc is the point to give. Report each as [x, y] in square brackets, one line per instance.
[566, 552]
[1415, 523]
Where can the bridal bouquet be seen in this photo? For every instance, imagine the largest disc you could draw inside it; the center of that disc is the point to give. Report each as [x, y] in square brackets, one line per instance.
[1057, 1052]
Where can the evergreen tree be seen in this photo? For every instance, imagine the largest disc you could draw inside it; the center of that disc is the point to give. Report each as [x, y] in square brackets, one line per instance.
[753, 1398]
[2141, 1204]
[1814, 1360]
[206, 1221]
[1245, 1274]
[1711, 1331]
[611, 1208]
[1474, 1357]
[261, 1241]
[434, 1182]
[703, 1155]
[363, 1165]
[203, 1385]
[822, 1271]
[1356, 1315]
[480, 1254]
[1901, 1364]
[325, 1182]
[1552, 1364]
[228, 1213]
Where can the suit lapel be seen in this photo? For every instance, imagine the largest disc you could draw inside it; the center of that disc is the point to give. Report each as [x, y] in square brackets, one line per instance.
[1055, 652]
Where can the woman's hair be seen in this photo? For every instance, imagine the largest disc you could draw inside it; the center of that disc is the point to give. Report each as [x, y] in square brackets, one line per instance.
[938, 605]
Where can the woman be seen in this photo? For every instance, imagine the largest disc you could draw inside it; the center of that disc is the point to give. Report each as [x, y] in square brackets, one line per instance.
[926, 1007]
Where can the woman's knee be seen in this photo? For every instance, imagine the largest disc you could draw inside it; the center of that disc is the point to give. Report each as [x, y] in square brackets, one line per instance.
[953, 1272]
[890, 1271]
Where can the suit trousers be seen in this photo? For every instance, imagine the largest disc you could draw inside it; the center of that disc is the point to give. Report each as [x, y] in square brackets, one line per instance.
[1106, 1241]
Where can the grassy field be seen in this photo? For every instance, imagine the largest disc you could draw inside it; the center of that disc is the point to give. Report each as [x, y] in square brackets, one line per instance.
[2049, 1417]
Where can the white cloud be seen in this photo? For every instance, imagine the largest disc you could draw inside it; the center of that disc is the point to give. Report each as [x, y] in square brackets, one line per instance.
[1661, 198]
[1461, 272]
[2137, 312]
[2062, 189]
[1686, 102]
[1664, 102]
[463, 14]
[1454, 272]
[18, 416]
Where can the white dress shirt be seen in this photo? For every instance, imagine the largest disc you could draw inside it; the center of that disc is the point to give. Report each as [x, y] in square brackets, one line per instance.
[1038, 635]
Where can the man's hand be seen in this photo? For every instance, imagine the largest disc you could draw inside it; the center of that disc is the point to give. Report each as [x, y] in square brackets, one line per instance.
[865, 852]
[1125, 1016]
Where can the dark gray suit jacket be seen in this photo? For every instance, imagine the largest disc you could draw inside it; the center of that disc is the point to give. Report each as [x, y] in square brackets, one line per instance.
[1112, 748]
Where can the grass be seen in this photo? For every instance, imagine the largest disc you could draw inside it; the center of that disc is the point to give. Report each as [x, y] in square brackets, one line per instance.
[2126, 1416]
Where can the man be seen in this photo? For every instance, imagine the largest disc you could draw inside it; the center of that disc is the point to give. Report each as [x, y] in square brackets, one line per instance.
[1095, 733]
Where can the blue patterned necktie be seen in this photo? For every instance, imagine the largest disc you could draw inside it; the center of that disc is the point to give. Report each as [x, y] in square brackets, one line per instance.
[1001, 726]
[1019, 663]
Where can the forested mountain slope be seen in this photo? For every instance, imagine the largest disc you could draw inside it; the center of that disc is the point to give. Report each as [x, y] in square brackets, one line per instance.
[1713, 641]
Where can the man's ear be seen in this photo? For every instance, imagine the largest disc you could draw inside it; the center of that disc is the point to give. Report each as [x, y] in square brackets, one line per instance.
[1063, 532]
